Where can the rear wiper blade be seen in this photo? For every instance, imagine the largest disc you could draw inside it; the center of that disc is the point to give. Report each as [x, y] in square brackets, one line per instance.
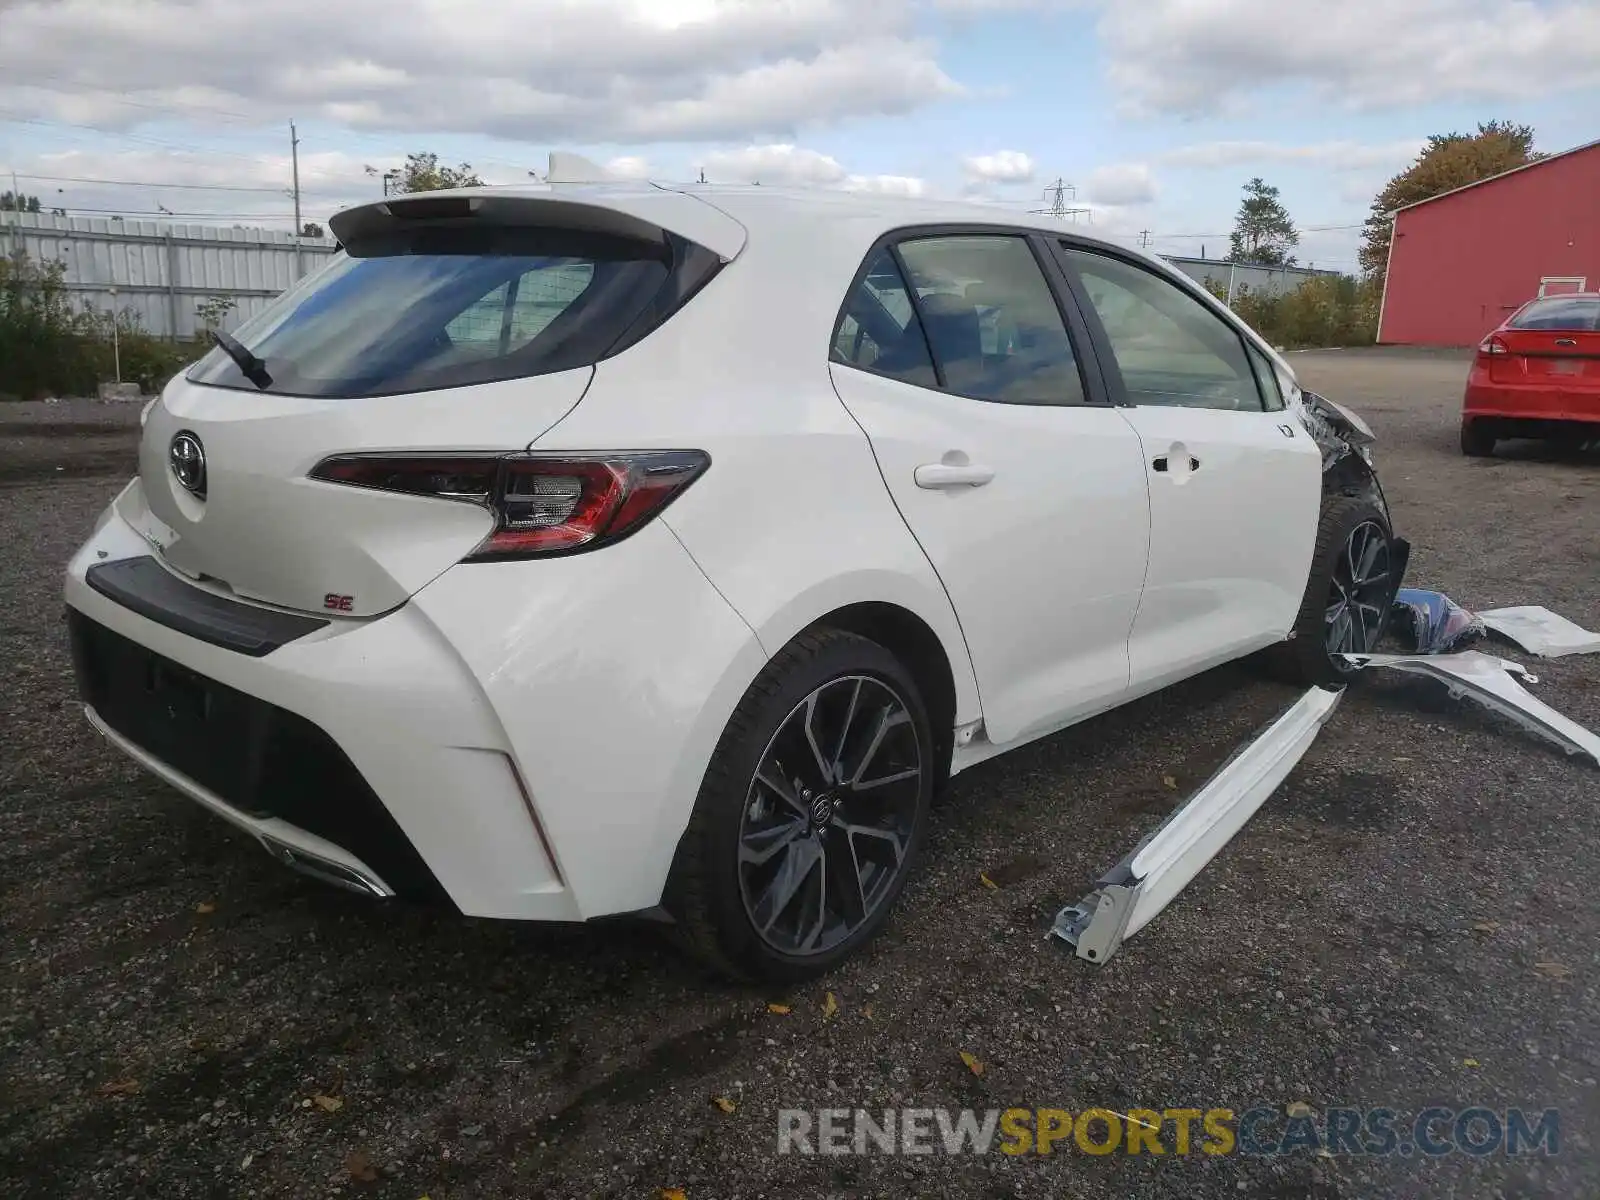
[252, 367]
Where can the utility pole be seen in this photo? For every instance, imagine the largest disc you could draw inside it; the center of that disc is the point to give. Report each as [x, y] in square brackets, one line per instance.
[702, 174]
[1144, 238]
[294, 158]
[1058, 194]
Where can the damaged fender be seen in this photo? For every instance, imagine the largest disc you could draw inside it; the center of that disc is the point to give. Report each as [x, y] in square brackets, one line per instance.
[1487, 679]
[1346, 444]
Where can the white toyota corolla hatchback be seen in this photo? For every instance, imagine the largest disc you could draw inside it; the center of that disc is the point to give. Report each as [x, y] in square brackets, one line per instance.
[569, 551]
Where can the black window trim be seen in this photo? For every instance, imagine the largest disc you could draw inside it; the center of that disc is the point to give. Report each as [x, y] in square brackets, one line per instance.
[1085, 351]
[1112, 371]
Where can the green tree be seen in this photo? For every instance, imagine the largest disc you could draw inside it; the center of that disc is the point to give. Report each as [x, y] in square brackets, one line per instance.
[422, 173]
[311, 229]
[1447, 162]
[18, 202]
[213, 310]
[1263, 232]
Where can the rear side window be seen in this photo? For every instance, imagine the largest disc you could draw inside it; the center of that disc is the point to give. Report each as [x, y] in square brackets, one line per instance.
[992, 320]
[1577, 313]
[427, 308]
[879, 330]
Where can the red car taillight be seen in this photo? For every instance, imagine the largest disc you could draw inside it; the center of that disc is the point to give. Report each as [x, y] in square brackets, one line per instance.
[1492, 345]
[544, 503]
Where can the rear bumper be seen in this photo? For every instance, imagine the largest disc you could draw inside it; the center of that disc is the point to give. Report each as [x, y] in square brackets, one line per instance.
[1520, 401]
[520, 739]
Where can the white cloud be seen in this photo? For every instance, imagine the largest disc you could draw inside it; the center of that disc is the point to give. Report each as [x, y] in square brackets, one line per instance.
[1003, 166]
[541, 70]
[784, 163]
[1121, 185]
[779, 163]
[629, 166]
[887, 185]
[1198, 56]
[240, 189]
[987, 7]
[1336, 156]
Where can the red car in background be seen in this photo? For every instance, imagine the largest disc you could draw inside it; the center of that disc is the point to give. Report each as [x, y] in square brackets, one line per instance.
[1537, 376]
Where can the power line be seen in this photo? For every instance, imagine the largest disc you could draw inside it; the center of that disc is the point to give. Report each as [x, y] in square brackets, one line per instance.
[77, 88]
[191, 187]
[209, 216]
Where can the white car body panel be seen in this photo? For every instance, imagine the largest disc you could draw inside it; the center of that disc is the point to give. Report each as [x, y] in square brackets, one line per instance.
[1055, 543]
[267, 532]
[789, 528]
[1229, 544]
[434, 702]
[539, 729]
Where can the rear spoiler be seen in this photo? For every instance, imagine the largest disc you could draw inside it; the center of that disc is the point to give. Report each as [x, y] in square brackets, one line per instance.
[617, 209]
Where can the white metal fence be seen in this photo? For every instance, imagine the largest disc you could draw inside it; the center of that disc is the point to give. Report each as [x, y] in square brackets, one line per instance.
[162, 272]
[1272, 281]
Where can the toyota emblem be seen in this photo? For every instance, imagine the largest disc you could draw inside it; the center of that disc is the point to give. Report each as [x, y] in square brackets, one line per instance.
[188, 459]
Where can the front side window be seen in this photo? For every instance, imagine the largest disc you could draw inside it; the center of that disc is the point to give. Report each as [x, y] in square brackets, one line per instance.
[421, 309]
[1170, 348]
[1266, 378]
[992, 321]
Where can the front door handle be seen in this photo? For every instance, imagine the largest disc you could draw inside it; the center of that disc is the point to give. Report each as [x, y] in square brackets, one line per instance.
[948, 475]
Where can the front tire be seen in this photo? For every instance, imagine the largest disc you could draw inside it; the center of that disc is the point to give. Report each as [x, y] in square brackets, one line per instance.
[1348, 595]
[811, 813]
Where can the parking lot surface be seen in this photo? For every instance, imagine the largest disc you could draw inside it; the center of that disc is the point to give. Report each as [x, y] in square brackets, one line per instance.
[1411, 920]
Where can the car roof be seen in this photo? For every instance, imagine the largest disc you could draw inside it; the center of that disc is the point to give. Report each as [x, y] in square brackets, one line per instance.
[722, 217]
[773, 209]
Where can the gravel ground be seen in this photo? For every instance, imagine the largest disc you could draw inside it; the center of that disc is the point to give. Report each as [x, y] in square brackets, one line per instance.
[1382, 934]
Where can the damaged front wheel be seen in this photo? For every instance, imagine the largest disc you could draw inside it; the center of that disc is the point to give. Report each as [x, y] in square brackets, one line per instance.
[1355, 572]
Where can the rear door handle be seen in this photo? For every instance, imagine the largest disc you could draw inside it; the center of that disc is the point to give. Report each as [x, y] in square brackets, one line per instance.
[1160, 464]
[947, 475]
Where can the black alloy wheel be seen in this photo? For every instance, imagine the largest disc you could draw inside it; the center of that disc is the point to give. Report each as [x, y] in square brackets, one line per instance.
[829, 815]
[1360, 591]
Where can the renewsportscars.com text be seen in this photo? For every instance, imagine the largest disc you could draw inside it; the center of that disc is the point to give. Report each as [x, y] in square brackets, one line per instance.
[1379, 1132]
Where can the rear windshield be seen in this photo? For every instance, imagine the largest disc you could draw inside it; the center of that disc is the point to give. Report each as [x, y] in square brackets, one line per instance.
[1560, 312]
[444, 307]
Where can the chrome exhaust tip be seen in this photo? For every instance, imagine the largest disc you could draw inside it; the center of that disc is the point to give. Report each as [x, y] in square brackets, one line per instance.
[324, 869]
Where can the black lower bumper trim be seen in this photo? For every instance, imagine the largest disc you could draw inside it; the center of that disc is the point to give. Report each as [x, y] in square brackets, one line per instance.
[261, 759]
[152, 591]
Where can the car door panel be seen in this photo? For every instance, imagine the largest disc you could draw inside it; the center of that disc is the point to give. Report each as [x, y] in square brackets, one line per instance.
[1043, 563]
[1235, 483]
[1028, 498]
[1230, 539]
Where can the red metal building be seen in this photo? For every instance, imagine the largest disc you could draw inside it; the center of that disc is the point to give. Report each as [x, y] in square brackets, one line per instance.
[1461, 262]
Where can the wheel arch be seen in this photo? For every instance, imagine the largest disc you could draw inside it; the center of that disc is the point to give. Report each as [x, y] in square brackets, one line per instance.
[911, 640]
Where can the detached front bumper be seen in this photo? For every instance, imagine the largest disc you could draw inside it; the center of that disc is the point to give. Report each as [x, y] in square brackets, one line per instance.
[445, 751]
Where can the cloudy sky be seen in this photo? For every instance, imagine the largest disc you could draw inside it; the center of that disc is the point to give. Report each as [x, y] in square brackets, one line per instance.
[1155, 111]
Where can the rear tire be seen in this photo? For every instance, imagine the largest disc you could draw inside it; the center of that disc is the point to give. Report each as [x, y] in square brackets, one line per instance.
[1477, 439]
[811, 814]
[1348, 595]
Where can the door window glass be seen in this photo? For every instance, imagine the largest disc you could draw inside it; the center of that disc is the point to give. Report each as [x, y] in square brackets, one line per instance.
[991, 319]
[879, 331]
[1170, 348]
[1266, 379]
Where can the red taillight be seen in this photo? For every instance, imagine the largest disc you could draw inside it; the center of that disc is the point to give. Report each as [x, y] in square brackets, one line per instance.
[1493, 345]
[544, 503]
